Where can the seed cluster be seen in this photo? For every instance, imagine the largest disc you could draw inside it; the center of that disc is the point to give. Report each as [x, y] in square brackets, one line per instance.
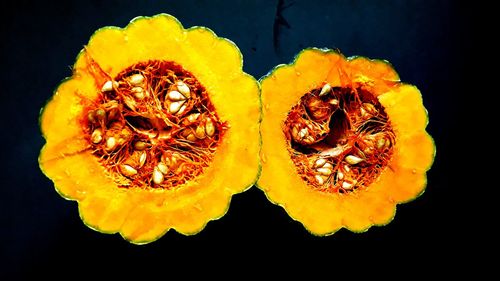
[340, 138]
[153, 124]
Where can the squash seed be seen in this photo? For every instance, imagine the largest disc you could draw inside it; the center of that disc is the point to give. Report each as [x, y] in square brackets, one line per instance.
[200, 132]
[319, 179]
[175, 106]
[325, 90]
[157, 176]
[353, 160]
[127, 170]
[96, 136]
[209, 127]
[183, 89]
[136, 79]
[175, 96]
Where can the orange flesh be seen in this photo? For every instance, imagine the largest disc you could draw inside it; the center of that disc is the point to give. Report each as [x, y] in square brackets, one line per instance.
[340, 139]
[153, 125]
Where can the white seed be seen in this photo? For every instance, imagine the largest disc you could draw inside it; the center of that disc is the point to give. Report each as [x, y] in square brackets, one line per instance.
[181, 110]
[175, 96]
[96, 136]
[183, 88]
[319, 179]
[380, 143]
[324, 171]
[325, 90]
[129, 102]
[200, 132]
[353, 160]
[136, 79]
[138, 93]
[319, 163]
[127, 170]
[347, 169]
[162, 168]
[170, 160]
[334, 101]
[193, 117]
[157, 176]
[209, 127]
[303, 133]
[110, 143]
[340, 175]
[175, 106]
[142, 159]
[108, 86]
[137, 90]
[328, 166]
[347, 185]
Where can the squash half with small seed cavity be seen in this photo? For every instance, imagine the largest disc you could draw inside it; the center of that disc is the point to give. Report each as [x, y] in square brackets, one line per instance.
[156, 129]
[344, 141]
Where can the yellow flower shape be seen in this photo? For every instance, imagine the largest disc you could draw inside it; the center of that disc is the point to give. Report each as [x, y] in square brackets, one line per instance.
[386, 151]
[192, 97]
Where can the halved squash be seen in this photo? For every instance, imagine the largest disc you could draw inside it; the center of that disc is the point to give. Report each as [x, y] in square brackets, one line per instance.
[156, 129]
[344, 141]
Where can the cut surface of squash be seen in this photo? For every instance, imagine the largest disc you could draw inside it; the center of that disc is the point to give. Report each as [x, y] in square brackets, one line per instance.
[344, 141]
[156, 129]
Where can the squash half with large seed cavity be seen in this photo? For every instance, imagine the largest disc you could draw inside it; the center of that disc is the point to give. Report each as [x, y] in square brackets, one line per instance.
[344, 141]
[156, 129]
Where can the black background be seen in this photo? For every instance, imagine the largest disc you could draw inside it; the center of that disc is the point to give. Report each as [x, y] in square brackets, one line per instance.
[41, 233]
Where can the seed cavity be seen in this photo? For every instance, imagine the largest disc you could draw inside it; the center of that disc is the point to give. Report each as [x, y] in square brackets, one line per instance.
[153, 124]
[340, 138]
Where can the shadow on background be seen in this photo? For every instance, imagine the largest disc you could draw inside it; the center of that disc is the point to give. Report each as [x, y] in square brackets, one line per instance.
[42, 233]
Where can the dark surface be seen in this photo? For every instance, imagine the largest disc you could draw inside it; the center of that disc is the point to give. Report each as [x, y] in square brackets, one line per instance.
[41, 233]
